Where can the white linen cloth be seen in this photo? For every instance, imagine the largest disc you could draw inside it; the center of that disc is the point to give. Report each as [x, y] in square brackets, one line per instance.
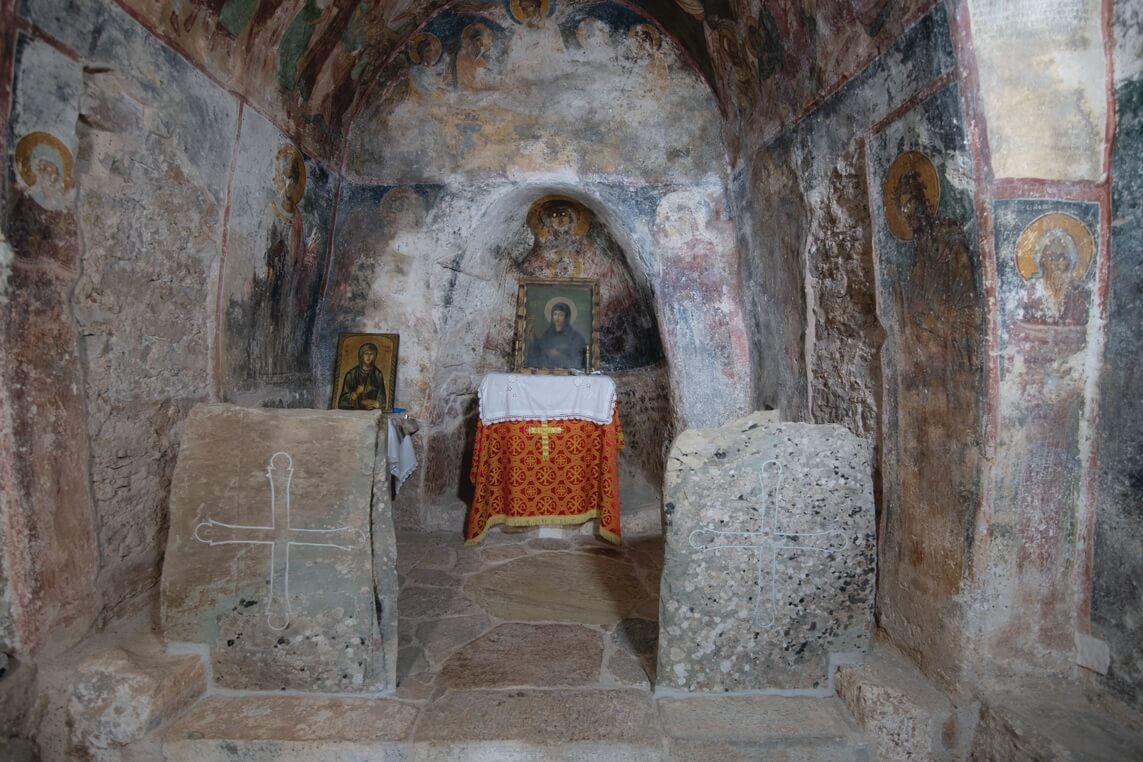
[521, 397]
[399, 453]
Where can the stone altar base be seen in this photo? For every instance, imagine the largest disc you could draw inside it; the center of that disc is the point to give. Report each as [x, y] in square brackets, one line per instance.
[281, 557]
[770, 556]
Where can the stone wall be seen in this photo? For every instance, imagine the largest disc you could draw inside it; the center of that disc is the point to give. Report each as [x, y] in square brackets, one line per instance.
[1117, 600]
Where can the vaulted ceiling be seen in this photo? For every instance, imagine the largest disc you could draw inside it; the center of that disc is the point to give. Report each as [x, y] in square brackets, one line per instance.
[311, 63]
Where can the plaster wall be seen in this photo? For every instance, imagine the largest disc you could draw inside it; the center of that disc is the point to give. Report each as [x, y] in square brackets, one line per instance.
[1047, 117]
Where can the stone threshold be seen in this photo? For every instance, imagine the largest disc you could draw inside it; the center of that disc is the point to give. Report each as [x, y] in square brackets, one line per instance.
[509, 724]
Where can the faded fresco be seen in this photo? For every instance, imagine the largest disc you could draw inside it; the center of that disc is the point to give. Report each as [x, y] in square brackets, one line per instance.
[699, 306]
[772, 60]
[49, 537]
[1047, 256]
[579, 88]
[380, 280]
[929, 300]
[276, 254]
[312, 61]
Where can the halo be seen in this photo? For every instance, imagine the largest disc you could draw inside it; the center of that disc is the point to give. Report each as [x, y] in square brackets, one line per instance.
[295, 194]
[36, 144]
[909, 161]
[560, 300]
[434, 51]
[540, 230]
[637, 32]
[1031, 236]
[473, 30]
[517, 11]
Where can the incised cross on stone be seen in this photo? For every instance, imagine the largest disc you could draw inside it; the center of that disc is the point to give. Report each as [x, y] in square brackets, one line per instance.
[768, 542]
[544, 430]
[280, 536]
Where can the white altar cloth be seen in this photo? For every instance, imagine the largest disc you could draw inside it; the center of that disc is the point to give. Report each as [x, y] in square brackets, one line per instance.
[522, 397]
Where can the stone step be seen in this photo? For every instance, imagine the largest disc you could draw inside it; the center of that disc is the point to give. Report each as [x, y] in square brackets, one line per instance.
[741, 728]
[520, 724]
[905, 716]
[113, 691]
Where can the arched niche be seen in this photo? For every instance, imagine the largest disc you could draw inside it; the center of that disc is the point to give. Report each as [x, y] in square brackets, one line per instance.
[431, 236]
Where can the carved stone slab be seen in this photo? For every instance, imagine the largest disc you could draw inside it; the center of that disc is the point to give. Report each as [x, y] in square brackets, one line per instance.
[770, 555]
[281, 556]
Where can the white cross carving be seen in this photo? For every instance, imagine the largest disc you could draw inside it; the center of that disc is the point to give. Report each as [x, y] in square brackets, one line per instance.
[280, 536]
[769, 543]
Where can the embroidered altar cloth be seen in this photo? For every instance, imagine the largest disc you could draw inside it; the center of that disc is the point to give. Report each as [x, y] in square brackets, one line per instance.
[544, 469]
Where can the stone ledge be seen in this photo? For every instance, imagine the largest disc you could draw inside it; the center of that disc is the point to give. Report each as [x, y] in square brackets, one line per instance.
[906, 717]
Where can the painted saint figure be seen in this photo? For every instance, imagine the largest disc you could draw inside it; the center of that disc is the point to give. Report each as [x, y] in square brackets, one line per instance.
[364, 386]
[284, 297]
[1053, 255]
[561, 345]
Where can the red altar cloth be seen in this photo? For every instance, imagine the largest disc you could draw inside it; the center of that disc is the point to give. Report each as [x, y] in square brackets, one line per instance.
[527, 473]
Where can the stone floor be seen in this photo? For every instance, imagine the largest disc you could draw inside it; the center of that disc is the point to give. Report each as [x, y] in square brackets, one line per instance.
[536, 644]
[539, 644]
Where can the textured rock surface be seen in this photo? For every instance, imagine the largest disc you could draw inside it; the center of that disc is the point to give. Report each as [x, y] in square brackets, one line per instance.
[769, 566]
[905, 717]
[270, 561]
[120, 696]
[1057, 721]
[1117, 595]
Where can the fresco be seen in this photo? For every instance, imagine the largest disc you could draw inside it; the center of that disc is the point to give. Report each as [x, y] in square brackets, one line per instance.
[380, 279]
[483, 92]
[276, 253]
[929, 300]
[50, 538]
[1046, 256]
[771, 61]
[310, 62]
[699, 308]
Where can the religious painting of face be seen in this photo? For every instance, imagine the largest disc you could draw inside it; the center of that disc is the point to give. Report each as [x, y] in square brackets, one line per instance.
[366, 375]
[557, 325]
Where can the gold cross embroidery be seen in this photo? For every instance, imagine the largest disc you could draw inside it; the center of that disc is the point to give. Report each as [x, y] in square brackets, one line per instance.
[544, 430]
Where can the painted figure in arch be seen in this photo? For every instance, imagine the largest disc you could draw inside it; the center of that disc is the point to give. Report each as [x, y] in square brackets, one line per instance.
[471, 64]
[940, 359]
[561, 345]
[939, 292]
[283, 298]
[364, 386]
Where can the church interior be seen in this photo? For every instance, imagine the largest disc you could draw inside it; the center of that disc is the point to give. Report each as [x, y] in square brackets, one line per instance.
[814, 220]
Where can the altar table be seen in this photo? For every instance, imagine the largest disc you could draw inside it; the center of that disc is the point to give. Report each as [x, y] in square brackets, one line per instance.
[546, 452]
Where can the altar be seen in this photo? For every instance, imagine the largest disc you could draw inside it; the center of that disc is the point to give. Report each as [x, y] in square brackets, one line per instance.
[546, 453]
